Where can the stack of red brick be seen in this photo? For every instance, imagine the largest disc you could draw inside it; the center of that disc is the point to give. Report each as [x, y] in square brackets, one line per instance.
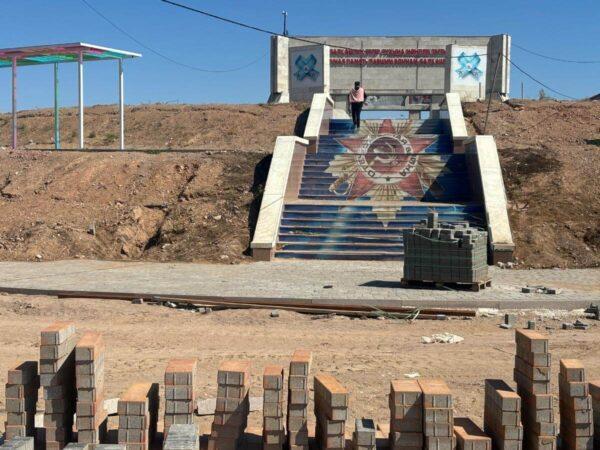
[331, 412]
[406, 420]
[502, 416]
[297, 420]
[438, 415]
[594, 387]
[273, 408]
[57, 376]
[21, 398]
[138, 414]
[233, 405]
[469, 436]
[180, 381]
[89, 372]
[576, 414]
[532, 375]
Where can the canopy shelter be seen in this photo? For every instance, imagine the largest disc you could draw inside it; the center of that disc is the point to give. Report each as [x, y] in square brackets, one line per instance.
[64, 53]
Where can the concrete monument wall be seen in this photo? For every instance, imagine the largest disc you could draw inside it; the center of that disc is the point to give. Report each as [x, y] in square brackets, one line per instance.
[409, 72]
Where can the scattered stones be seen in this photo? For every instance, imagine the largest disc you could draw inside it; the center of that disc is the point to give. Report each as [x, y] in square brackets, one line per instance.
[442, 338]
[510, 320]
[274, 313]
[540, 290]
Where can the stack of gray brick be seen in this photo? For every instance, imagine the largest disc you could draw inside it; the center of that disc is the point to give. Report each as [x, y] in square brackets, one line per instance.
[182, 437]
[274, 437]
[180, 380]
[364, 436]
[448, 253]
[89, 371]
[19, 443]
[21, 398]
[57, 376]
[298, 398]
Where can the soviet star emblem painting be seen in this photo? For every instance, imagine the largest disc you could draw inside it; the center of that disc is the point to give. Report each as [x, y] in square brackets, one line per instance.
[383, 164]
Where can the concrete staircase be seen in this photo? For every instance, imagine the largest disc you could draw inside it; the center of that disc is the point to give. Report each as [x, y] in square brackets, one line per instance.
[360, 190]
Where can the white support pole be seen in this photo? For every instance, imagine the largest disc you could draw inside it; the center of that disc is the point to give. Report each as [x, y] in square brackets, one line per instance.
[80, 81]
[14, 103]
[121, 106]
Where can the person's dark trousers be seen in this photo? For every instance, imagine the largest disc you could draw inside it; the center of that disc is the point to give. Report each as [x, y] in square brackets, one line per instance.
[356, 109]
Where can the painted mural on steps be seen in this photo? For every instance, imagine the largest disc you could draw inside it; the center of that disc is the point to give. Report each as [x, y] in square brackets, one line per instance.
[382, 164]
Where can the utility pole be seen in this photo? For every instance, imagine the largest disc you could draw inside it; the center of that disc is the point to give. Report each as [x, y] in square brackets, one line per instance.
[285, 30]
[522, 91]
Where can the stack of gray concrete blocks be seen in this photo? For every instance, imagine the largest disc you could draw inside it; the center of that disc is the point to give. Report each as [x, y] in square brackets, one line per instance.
[406, 415]
[576, 413]
[138, 415]
[594, 388]
[449, 253]
[438, 415]
[233, 406]
[180, 381]
[57, 377]
[502, 416]
[532, 375]
[298, 399]
[469, 436]
[182, 437]
[364, 436]
[274, 437]
[82, 446]
[21, 399]
[331, 412]
[19, 443]
[89, 372]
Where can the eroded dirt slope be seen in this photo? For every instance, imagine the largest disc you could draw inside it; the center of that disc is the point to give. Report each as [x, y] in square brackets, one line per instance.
[550, 154]
[166, 207]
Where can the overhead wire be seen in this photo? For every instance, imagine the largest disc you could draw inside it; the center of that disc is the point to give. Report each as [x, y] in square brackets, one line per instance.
[262, 30]
[166, 57]
[553, 58]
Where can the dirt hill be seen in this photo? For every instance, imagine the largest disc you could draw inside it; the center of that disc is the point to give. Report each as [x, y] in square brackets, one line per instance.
[550, 155]
[198, 206]
[160, 126]
[202, 206]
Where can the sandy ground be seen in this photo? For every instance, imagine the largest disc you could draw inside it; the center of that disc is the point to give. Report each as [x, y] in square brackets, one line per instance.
[364, 354]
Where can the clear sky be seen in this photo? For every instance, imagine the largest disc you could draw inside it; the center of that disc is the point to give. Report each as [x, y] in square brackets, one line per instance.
[569, 30]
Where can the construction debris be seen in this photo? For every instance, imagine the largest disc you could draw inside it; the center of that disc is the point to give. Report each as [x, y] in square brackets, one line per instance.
[442, 338]
[540, 290]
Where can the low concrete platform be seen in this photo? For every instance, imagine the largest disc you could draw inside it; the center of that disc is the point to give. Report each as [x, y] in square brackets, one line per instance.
[324, 282]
